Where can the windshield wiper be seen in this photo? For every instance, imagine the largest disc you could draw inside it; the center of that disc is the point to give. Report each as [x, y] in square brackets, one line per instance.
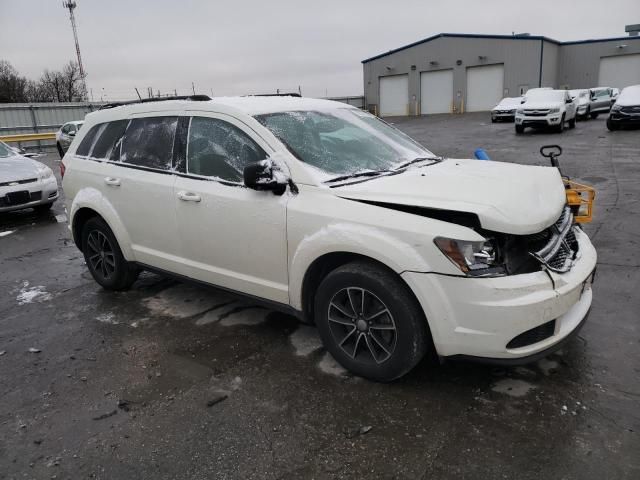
[415, 160]
[368, 173]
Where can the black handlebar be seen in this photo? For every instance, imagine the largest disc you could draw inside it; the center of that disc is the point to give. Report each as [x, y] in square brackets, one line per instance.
[551, 152]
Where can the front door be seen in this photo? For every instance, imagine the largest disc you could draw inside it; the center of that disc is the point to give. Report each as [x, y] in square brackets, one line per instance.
[230, 236]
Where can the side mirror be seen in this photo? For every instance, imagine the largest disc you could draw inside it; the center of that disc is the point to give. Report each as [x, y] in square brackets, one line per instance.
[264, 176]
[568, 100]
[72, 133]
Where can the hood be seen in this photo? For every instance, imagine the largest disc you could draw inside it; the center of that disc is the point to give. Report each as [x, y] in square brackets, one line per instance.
[506, 197]
[18, 167]
[541, 105]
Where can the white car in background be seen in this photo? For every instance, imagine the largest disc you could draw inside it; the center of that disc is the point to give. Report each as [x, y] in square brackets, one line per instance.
[582, 98]
[324, 211]
[25, 183]
[66, 134]
[546, 108]
[506, 109]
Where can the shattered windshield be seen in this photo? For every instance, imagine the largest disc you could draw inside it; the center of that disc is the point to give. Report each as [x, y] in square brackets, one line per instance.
[343, 141]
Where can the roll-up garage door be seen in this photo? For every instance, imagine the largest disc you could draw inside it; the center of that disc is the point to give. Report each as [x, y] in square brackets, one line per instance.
[484, 87]
[394, 95]
[619, 71]
[436, 91]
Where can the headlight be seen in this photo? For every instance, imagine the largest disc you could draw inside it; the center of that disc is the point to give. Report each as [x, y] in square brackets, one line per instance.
[520, 111]
[616, 107]
[45, 173]
[554, 110]
[473, 258]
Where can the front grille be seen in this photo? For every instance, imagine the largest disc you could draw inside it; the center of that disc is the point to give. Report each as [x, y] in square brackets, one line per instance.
[536, 113]
[18, 182]
[36, 196]
[534, 335]
[557, 246]
[632, 110]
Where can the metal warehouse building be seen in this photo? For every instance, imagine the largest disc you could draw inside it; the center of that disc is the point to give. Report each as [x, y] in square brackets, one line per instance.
[462, 72]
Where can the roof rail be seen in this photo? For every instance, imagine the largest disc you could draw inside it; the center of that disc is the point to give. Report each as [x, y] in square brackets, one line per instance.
[193, 98]
[293, 94]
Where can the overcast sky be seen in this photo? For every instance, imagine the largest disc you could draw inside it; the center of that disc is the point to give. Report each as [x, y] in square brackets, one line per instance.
[237, 46]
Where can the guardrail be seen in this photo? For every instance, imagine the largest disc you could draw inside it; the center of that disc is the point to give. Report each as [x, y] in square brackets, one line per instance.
[27, 137]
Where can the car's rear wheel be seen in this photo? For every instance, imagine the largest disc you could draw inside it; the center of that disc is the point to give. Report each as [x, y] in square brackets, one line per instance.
[60, 151]
[594, 115]
[519, 129]
[104, 257]
[370, 321]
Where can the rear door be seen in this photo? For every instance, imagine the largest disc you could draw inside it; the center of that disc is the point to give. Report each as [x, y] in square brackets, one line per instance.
[139, 180]
[231, 236]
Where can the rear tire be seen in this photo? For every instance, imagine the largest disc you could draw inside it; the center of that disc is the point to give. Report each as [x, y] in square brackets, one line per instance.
[370, 321]
[104, 258]
[493, 120]
[519, 129]
[60, 151]
[594, 115]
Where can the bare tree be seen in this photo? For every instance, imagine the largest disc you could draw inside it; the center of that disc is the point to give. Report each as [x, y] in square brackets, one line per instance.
[12, 85]
[62, 86]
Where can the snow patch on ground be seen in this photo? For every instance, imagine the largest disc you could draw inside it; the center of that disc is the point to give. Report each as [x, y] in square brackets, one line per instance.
[329, 365]
[32, 294]
[108, 318]
[5, 233]
[305, 340]
[62, 218]
[251, 316]
[513, 387]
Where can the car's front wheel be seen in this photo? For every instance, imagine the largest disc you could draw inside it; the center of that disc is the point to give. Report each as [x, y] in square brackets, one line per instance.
[560, 127]
[594, 115]
[370, 322]
[572, 123]
[519, 129]
[104, 258]
[611, 126]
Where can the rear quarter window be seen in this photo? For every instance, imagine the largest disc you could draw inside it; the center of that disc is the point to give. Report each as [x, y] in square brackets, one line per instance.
[87, 141]
[107, 146]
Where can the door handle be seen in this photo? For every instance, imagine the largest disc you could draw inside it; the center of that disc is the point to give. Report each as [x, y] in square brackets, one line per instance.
[189, 196]
[113, 182]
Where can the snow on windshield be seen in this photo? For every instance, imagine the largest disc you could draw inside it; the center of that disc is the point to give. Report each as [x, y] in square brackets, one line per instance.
[629, 96]
[342, 141]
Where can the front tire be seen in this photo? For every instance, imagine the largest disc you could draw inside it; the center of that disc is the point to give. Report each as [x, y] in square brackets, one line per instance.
[42, 209]
[560, 127]
[519, 129]
[611, 126]
[370, 321]
[572, 123]
[594, 115]
[104, 258]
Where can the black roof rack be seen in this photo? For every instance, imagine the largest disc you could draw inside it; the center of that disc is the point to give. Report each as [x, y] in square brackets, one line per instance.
[294, 94]
[193, 98]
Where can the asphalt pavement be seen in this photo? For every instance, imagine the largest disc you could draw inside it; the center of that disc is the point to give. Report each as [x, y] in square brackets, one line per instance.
[171, 380]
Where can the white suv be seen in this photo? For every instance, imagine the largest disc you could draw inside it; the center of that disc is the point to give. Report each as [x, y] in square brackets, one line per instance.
[327, 212]
[543, 108]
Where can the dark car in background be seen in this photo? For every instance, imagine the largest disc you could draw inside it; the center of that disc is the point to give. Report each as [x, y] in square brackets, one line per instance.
[626, 111]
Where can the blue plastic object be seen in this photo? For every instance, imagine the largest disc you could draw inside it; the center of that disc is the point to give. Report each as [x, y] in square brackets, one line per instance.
[481, 154]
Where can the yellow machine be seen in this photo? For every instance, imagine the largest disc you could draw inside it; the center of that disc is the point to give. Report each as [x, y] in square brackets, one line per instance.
[579, 197]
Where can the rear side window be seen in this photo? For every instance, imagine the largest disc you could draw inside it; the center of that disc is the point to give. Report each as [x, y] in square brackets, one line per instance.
[148, 142]
[87, 142]
[108, 144]
[219, 149]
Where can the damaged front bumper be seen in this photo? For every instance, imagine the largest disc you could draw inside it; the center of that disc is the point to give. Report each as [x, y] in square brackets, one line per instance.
[507, 318]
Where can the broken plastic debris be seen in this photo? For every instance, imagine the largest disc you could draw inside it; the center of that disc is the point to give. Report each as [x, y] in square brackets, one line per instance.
[34, 350]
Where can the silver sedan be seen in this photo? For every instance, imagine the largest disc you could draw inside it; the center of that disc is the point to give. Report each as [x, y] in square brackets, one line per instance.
[25, 183]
